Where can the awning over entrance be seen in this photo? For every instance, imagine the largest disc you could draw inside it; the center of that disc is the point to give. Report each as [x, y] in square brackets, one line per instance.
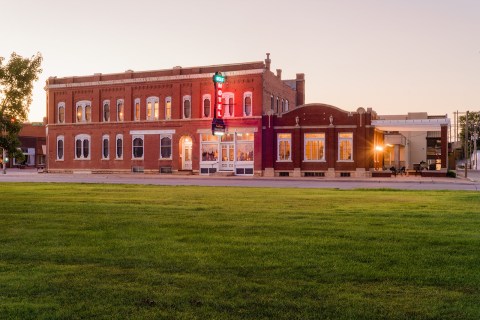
[411, 125]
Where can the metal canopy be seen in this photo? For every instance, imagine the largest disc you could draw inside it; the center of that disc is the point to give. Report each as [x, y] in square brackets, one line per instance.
[411, 125]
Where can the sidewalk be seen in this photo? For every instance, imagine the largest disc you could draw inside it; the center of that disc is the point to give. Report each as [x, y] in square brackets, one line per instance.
[472, 175]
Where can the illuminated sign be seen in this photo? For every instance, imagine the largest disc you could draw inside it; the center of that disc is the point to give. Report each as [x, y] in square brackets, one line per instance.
[218, 127]
[218, 77]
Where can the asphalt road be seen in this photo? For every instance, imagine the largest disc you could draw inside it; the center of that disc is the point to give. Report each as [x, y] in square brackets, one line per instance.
[401, 182]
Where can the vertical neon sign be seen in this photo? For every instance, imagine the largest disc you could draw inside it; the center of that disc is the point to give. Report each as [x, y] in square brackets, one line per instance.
[218, 127]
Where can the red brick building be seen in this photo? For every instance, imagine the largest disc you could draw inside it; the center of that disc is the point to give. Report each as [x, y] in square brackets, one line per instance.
[161, 122]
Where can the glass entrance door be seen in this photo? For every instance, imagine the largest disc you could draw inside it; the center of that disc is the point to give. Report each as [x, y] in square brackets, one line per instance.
[227, 157]
[187, 154]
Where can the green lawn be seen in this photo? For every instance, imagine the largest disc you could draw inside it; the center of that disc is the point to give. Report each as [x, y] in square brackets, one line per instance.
[81, 251]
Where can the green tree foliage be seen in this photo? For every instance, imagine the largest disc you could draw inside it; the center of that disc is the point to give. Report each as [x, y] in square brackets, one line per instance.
[473, 127]
[17, 77]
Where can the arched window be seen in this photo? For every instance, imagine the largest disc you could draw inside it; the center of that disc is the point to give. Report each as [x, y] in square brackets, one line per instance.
[247, 104]
[60, 147]
[61, 112]
[119, 145]
[106, 110]
[88, 113]
[82, 147]
[152, 108]
[120, 110]
[168, 108]
[187, 107]
[137, 146]
[84, 111]
[206, 106]
[228, 104]
[105, 147]
[136, 109]
[165, 147]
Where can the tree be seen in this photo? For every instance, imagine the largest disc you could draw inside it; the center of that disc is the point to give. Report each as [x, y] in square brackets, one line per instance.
[16, 86]
[473, 127]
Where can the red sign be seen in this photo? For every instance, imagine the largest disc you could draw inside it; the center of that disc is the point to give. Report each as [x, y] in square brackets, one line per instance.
[219, 87]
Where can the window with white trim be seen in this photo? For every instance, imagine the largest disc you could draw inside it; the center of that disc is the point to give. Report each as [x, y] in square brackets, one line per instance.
[314, 146]
[228, 99]
[152, 108]
[166, 146]
[106, 111]
[119, 147]
[137, 146]
[244, 147]
[209, 147]
[187, 107]
[207, 106]
[247, 104]
[283, 105]
[272, 103]
[82, 147]
[136, 109]
[84, 111]
[120, 110]
[105, 147]
[284, 147]
[60, 147]
[61, 112]
[286, 105]
[345, 146]
[168, 108]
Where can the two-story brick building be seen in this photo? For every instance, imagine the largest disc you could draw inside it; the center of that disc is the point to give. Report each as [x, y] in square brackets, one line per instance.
[161, 122]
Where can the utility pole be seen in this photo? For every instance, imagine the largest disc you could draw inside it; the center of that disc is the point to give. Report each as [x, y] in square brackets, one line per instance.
[466, 142]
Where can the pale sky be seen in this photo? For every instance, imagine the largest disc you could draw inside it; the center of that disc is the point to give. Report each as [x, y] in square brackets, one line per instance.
[394, 56]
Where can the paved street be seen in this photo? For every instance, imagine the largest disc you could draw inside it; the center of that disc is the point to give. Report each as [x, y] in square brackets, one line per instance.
[399, 182]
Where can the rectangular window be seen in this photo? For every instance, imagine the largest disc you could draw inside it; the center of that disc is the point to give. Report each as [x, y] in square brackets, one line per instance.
[284, 147]
[165, 147]
[345, 146]
[314, 147]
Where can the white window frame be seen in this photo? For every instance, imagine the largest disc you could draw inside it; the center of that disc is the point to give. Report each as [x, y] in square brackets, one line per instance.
[286, 105]
[141, 136]
[272, 103]
[339, 144]
[155, 104]
[205, 97]
[118, 136]
[189, 99]
[283, 106]
[120, 101]
[83, 137]
[60, 138]
[83, 105]
[171, 146]
[225, 97]
[60, 106]
[105, 137]
[167, 110]
[279, 140]
[106, 102]
[250, 95]
[306, 140]
[135, 102]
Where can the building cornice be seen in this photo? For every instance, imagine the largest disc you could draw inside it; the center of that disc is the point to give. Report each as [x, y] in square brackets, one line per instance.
[152, 79]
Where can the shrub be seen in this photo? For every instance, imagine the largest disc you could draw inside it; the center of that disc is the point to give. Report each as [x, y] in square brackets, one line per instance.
[451, 174]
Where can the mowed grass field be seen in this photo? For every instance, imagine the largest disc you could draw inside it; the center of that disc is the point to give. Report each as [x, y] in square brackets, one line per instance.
[89, 251]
